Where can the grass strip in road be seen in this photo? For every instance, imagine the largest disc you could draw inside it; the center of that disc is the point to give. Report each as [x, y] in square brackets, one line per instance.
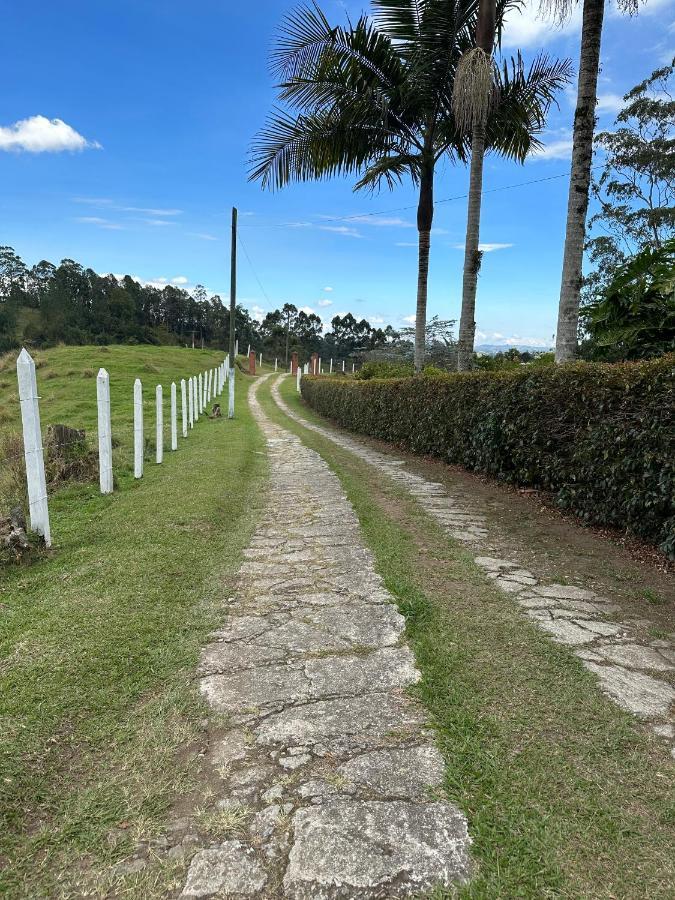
[565, 794]
[98, 648]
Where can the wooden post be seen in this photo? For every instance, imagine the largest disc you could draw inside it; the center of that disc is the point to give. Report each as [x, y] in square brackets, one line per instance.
[314, 366]
[294, 363]
[139, 441]
[32, 447]
[191, 400]
[159, 429]
[105, 471]
[183, 406]
[251, 362]
[174, 418]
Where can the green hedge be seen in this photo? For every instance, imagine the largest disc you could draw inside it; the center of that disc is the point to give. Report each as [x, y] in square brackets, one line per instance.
[599, 437]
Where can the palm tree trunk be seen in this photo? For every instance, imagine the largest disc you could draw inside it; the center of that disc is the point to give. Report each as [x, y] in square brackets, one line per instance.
[580, 181]
[425, 216]
[472, 256]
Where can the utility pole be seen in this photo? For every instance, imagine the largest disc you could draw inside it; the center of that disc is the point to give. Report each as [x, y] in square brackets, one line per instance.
[233, 307]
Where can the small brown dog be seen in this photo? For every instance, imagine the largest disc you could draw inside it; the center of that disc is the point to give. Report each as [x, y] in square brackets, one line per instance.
[215, 412]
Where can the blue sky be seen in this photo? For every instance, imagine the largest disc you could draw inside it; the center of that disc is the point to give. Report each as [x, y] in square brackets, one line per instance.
[158, 101]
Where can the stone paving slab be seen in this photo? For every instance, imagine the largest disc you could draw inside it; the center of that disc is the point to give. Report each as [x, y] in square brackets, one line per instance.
[323, 751]
[571, 614]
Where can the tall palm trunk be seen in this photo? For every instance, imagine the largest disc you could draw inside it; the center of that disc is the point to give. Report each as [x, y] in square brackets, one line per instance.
[580, 181]
[472, 256]
[425, 217]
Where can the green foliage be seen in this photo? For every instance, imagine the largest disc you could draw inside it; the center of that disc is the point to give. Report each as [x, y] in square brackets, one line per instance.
[384, 369]
[598, 437]
[635, 316]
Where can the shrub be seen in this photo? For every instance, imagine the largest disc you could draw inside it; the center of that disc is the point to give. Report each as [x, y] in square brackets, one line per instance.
[598, 436]
[383, 369]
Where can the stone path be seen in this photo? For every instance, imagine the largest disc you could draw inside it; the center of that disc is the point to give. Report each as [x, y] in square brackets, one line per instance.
[626, 661]
[326, 764]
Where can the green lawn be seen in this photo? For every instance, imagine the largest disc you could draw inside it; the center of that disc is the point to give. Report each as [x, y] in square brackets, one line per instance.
[565, 794]
[99, 641]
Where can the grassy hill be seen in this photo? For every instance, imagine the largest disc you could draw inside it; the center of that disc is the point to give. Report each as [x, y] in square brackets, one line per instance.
[99, 639]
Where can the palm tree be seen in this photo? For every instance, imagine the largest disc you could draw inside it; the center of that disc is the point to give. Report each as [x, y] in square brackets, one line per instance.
[580, 173]
[374, 99]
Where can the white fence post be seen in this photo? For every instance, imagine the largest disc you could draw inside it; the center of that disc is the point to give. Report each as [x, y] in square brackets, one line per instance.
[139, 441]
[275, 363]
[159, 430]
[298, 376]
[260, 362]
[200, 393]
[330, 371]
[353, 364]
[105, 471]
[227, 366]
[191, 400]
[230, 404]
[209, 390]
[236, 348]
[183, 406]
[204, 389]
[32, 446]
[174, 418]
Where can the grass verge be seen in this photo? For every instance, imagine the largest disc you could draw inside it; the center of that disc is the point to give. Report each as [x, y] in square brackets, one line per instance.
[565, 794]
[98, 648]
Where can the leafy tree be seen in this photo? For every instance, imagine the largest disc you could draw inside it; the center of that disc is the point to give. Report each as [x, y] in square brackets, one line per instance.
[636, 188]
[374, 99]
[634, 317]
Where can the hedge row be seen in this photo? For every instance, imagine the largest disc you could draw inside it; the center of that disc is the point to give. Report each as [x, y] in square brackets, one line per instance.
[599, 437]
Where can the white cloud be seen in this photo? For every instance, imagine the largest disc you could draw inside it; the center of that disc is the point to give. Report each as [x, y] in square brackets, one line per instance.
[341, 229]
[179, 279]
[526, 27]
[325, 302]
[376, 320]
[257, 312]
[485, 248]
[39, 134]
[609, 103]
[405, 244]
[328, 290]
[381, 221]
[157, 223]
[307, 310]
[97, 220]
[202, 236]
[409, 320]
[559, 146]
[150, 212]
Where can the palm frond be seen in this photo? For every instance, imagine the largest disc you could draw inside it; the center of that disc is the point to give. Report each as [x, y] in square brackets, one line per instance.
[391, 169]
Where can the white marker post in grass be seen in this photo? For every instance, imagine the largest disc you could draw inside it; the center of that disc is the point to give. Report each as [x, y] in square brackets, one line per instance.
[207, 378]
[260, 362]
[205, 384]
[191, 402]
[174, 418]
[343, 365]
[275, 363]
[298, 376]
[139, 441]
[159, 430]
[353, 364]
[227, 366]
[200, 393]
[32, 447]
[195, 388]
[183, 406]
[230, 399]
[105, 471]
[236, 348]
[330, 371]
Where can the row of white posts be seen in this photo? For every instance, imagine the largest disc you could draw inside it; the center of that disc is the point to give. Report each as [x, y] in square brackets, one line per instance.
[196, 393]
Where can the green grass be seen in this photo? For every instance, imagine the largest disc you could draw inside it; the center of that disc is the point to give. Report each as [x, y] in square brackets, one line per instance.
[99, 640]
[566, 795]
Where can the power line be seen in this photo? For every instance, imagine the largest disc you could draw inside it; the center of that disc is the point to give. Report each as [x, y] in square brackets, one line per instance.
[382, 212]
[255, 274]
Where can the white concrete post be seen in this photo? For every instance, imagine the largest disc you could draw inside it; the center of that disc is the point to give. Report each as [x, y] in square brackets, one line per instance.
[260, 361]
[159, 430]
[200, 394]
[105, 471]
[183, 406]
[275, 363]
[318, 365]
[195, 387]
[174, 418]
[227, 366]
[248, 352]
[353, 364]
[230, 403]
[32, 446]
[343, 365]
[205, 388]
[191, 401]
[236, 348]
[139, 440]
[298, 376]
[330, 371]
